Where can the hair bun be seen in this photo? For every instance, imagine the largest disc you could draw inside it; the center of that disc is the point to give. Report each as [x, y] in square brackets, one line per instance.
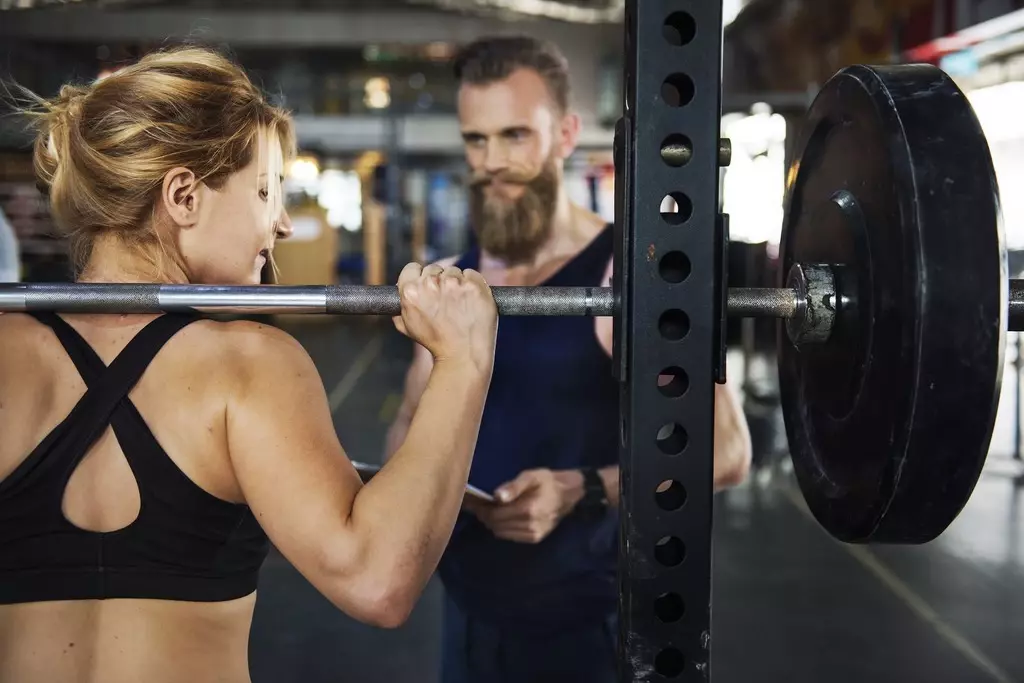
[59, 117]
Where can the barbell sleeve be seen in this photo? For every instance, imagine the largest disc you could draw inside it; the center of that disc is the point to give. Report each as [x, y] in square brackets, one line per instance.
[756, 302]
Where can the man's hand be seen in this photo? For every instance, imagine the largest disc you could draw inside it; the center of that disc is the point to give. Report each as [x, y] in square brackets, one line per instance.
[530, 506]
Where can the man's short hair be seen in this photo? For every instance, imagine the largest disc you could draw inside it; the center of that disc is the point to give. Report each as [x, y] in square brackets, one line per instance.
[492, 59]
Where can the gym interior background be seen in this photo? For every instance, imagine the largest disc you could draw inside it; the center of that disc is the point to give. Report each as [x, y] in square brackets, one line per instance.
[380, 182]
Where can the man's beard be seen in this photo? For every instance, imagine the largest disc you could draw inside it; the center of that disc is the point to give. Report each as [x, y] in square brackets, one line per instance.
[513, 229]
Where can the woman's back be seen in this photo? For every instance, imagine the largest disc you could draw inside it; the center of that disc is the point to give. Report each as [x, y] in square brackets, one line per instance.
[181, 397]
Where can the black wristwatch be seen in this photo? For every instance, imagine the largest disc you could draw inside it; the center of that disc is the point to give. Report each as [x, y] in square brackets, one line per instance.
[595, 500]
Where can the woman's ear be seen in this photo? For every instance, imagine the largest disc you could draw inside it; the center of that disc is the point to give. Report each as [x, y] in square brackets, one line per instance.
[180, 196]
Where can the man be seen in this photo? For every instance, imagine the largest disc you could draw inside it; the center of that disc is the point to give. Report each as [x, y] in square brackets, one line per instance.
[531, 580]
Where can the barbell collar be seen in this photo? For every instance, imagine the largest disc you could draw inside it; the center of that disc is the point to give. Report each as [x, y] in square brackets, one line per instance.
[814, 289]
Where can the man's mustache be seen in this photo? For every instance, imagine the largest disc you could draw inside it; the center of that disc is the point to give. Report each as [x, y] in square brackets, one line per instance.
[485, 179]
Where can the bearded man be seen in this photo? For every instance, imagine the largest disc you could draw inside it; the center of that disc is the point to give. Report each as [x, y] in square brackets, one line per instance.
[530, 581]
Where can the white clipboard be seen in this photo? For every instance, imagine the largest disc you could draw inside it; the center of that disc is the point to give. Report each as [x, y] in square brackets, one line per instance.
[366, 471]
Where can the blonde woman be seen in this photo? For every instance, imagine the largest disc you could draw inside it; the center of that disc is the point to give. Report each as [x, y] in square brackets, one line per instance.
[148, 461]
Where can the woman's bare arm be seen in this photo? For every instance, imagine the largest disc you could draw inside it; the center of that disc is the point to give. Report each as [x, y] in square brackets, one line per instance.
[370, 549]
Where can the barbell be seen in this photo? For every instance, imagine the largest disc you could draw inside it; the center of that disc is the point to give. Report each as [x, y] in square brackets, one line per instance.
[894, 295]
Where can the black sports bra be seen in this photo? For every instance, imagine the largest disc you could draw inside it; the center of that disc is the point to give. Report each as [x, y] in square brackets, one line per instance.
[185, 544]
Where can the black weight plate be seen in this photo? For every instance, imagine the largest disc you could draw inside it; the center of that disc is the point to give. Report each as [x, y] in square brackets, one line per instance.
[889, 421]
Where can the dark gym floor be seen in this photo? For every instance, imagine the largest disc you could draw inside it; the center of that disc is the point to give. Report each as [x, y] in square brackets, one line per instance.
[790, 604]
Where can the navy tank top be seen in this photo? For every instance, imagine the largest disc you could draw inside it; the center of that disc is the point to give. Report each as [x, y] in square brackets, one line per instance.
[552, 403]
[185, 544]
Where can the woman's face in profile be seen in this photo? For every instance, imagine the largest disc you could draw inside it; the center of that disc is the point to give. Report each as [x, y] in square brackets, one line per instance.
[238, 224]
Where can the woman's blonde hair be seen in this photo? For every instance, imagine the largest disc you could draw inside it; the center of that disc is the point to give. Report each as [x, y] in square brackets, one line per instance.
[103, 149]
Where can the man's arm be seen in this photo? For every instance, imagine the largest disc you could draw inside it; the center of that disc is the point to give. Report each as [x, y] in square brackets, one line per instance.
[416, 378]
[534, 503]
[732, 436]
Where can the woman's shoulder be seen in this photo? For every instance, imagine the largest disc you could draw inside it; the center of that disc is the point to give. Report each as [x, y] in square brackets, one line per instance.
[236, 349]
[20, 333]
[246, 347]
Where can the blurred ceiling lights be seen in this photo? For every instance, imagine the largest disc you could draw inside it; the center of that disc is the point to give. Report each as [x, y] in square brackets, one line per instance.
[608, 12]
[580, 11]
[30, 4]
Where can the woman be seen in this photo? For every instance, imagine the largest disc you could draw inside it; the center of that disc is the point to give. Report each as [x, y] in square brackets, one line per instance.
[136, 500]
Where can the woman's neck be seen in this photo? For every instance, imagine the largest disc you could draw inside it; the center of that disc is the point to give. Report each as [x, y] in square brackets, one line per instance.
[110, 260]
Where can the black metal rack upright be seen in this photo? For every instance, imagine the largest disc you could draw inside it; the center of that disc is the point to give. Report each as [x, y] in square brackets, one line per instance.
[671, 236]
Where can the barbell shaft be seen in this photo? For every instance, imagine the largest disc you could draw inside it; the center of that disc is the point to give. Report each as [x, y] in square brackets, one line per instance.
[336, 299]
[330, 299]
[369, 300]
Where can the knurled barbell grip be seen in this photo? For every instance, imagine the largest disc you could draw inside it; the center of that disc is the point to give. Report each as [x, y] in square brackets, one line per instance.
[517, 301]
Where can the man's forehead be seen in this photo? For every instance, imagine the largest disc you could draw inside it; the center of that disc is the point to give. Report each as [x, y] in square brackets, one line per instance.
[498, 108]
[522, 89]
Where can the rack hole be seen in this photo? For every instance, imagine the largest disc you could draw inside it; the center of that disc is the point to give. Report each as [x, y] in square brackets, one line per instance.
[669, 551]
[673, 382]
[673, 324]
[669, 607]
[670, 662]
[679, 29]
[676, 208]
[677, 90]
[670, 495]
[674, 267]
[672, 439]
[676, 150]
